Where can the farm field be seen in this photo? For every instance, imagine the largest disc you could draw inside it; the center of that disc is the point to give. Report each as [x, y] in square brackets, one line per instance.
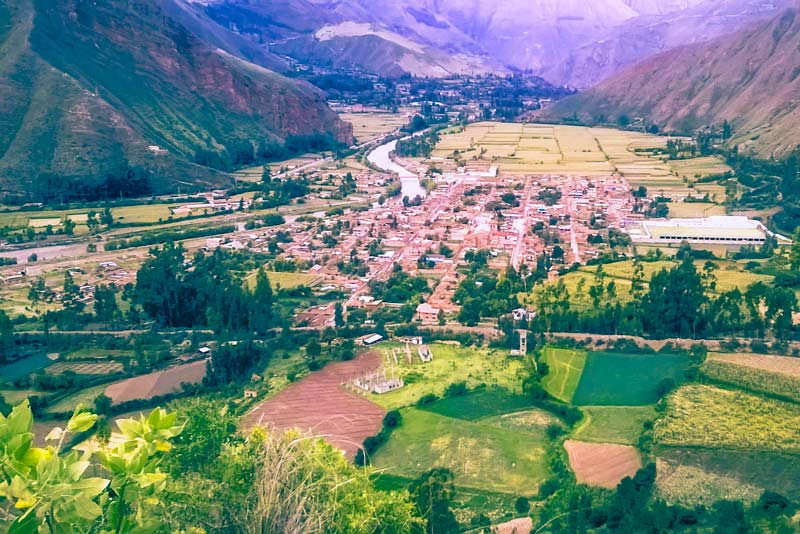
[707, 416]
[613, 424]
[602, 464]
[565, 366]
[692, 476]
[688, 210]
[785, 365]
[450, 364]
[83, 398]
[372, 125]
[480, 455]
[85, 368]
[577, 150]
[143, 213]
[156, 384]
[754, 379]
[318, 403]
[285, 280]
[618, 379]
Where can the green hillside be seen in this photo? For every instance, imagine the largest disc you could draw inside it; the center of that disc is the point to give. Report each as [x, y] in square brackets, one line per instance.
[88, 87]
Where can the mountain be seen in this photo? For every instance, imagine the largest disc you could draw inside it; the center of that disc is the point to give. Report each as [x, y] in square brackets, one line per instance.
[656, 29]
[569, 42]
[750, 78]
[90, 89]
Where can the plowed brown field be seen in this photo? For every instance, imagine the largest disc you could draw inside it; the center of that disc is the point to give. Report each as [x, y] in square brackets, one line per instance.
[319, 404]
[602, 464]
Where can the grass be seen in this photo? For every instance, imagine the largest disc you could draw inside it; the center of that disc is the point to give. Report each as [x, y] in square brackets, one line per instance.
[619, 379]
[285, 280]
[711, 417]
[481, 456]
[371, 125]
[699, 476]
[450, 364]
[752, 379]
[613, 424]
[479, 405]
[83, 398]
[566, 367]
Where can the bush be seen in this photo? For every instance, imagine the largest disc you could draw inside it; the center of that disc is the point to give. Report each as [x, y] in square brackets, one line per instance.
[393, 419]
[522, 505]
[427, 400]
[459, 389]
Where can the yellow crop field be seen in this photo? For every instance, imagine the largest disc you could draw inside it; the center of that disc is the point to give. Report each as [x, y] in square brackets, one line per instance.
[570, 150]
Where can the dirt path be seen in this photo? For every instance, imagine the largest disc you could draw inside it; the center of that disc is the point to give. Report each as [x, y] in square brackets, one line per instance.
[319, 404]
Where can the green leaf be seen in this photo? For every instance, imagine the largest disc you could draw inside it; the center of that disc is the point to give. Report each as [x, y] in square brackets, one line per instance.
[81, 422]
[26, 524]
[20, 420]
[91, 487]
[77, 469]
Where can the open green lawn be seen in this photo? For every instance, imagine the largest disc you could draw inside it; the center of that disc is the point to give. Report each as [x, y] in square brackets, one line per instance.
[618, 379]
[481, 455]
[451, 364]
[565, 369]
[711, 417]
[613, 424]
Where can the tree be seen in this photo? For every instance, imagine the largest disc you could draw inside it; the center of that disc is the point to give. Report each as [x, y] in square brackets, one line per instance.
[6, 336]
[69, 226]
[261, 303]
[266, 175]
[106, 217]
[105, 303]
[71, 297]
[794, 253]
[433, 493]
[338, 315]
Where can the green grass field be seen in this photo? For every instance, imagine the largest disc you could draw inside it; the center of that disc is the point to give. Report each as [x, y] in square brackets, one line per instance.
[613, 424]
[450, 364]
[566, 367]
[285, 280]
[481, 455]
[618, 379]
[707, 416]
[479, 405]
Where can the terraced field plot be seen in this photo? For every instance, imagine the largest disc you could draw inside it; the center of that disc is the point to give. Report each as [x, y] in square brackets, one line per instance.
[707, 416]
[565, 369]
[619, 379]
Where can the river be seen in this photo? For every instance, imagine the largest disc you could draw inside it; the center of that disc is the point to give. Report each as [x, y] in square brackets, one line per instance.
[409, 182]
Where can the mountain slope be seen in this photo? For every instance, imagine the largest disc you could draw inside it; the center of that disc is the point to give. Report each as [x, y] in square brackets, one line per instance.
[89, 86]
[750, 78]
[570, 42]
